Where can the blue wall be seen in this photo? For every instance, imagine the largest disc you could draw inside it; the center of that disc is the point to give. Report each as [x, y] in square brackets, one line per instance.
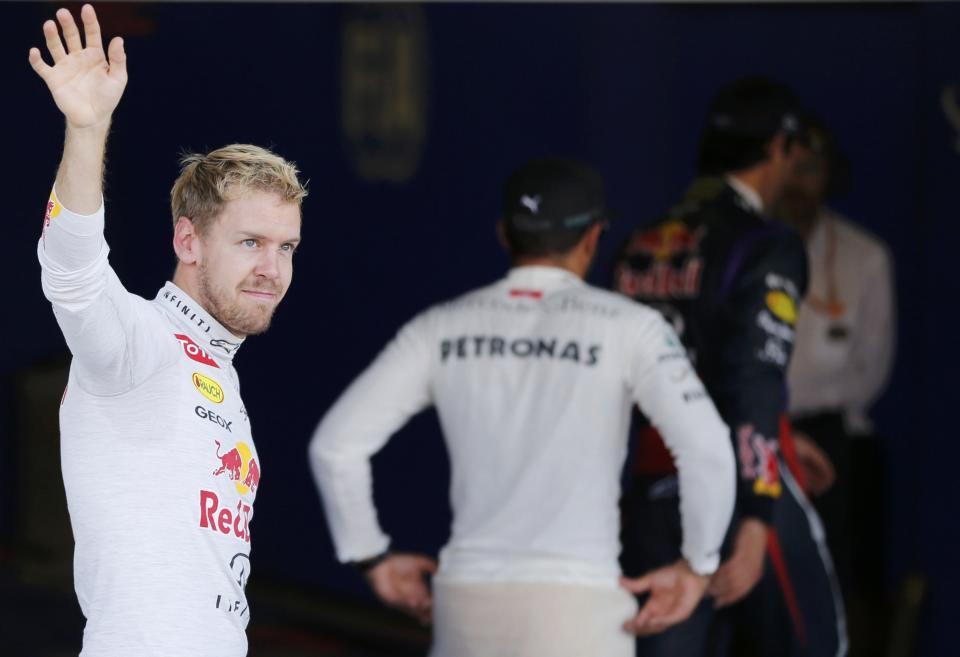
[624, 87]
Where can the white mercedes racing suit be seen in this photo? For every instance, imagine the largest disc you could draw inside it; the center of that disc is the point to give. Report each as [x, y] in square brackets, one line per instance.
[533, 378]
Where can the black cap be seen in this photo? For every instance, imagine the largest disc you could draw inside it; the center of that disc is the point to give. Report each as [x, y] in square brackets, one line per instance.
[756, 107]
[553, 194]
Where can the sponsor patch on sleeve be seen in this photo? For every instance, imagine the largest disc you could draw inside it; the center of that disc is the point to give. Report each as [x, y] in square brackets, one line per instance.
[758, 461]
[782, 306]
[52, 211]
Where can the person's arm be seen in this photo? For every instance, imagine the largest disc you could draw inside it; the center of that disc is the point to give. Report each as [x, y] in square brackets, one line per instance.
[389, 392]
[761, 313]
[669, 392]
[100, 321]
[86, 86]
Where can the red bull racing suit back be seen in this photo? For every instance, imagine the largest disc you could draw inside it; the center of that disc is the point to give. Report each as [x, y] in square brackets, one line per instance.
[159, 464]
[730, 283]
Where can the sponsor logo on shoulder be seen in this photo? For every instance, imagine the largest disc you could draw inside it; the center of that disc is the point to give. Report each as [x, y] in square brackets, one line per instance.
[208, 388]
[782, 307]
[194, 352]
[775, 281]
[771, 326]
[774, 351]
[53, 209]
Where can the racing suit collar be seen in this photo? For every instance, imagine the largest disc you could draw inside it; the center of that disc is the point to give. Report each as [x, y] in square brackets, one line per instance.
[747, 193]
[542, 276]
[208, 332]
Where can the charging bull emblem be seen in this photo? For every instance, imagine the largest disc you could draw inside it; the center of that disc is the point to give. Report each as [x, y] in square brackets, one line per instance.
[253, 476]
[240, 466]
[229, 463]
[667, 240]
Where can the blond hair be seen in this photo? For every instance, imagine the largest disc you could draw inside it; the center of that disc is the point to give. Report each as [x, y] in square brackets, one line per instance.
[207, 182]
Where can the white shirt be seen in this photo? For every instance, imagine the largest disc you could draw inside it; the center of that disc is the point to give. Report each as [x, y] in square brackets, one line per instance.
[533, 378]
[846, 372]
[159, 466]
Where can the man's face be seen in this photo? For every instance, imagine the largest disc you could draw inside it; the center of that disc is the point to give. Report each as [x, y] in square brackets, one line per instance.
[804, 189]
[247, 261]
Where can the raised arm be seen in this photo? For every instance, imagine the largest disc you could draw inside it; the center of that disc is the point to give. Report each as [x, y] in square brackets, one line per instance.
[86, 86]
[99, 319]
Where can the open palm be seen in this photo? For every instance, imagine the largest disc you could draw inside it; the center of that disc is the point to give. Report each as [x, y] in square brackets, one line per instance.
[85, 84]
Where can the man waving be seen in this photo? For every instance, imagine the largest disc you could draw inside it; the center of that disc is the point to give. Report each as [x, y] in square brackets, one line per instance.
[152, 386]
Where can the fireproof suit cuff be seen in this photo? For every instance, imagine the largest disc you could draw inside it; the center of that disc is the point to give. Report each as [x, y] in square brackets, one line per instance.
[755, 506]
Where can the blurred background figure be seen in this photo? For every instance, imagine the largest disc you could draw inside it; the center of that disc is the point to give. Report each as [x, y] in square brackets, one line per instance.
[536, 446]
[842, 359]
[730, 279]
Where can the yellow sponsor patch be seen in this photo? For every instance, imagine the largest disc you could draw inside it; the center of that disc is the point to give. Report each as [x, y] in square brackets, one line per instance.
[53, 206]
[767, 488]
[52, 210]
[208, 387]
[782, 307]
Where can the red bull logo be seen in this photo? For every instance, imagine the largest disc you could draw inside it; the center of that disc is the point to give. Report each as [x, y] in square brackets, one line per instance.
[676, 268]
[661, 281]
[239, 465]
[223, 519]
[668, 240]
[252, 480]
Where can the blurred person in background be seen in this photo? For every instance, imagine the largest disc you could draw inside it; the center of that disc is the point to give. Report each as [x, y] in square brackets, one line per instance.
[152, 390]
[843, 356]
[730, 280]
[533, 378]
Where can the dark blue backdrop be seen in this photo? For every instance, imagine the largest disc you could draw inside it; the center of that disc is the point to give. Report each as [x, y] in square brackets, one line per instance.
[622, 86]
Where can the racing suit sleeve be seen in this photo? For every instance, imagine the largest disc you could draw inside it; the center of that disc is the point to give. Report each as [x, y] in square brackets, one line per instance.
[395, 387]
[99, 319]
[760, 313]
[669, 392]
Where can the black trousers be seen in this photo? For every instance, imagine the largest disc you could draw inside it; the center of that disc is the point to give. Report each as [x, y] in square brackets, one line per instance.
[853, 514]
[795, 610]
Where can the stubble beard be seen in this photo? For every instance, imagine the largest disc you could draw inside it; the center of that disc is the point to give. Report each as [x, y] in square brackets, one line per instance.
[234, 316]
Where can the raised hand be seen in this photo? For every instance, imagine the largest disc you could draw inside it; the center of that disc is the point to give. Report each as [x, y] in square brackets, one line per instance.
[675, 591]
[85, 84]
